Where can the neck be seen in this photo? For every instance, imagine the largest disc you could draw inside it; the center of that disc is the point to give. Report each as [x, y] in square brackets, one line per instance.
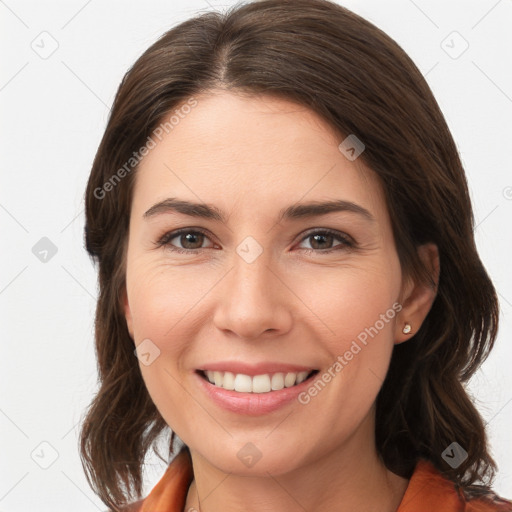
[348, 477]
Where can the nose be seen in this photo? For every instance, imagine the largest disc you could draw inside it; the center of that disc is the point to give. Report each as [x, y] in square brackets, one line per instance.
[253, 300]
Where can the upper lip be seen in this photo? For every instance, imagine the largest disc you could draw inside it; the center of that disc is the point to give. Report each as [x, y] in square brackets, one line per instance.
[254, 369]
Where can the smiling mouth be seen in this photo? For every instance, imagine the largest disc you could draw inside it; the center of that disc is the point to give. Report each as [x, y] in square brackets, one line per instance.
[264, 383]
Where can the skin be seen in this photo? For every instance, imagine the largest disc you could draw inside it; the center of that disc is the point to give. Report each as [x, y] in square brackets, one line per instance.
[252, 156]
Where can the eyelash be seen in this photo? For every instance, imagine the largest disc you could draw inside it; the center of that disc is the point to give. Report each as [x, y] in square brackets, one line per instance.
[165, 240]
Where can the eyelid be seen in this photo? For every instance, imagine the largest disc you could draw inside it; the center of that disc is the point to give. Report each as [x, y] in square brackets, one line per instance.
[169, 235]
[328, 231]
[346, 239]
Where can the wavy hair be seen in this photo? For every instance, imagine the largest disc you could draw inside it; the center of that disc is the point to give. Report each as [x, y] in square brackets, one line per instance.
[357, 78]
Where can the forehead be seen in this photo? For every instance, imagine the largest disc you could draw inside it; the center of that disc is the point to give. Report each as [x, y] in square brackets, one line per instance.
[252, 153]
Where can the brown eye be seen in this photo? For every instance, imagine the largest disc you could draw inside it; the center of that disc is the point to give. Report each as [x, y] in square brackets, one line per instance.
[321, 241]
[190, 240]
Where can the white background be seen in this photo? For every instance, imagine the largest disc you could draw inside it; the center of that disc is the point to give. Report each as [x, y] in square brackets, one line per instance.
[53, 113]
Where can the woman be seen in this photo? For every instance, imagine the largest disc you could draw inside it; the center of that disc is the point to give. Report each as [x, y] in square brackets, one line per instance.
[296, 376]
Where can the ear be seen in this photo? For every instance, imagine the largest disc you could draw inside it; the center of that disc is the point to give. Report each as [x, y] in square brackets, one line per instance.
[418, 297]
[127, 312]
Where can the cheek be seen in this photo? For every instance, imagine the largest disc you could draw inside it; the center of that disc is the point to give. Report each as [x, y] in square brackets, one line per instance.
[349, 300]
[358, 310]
[161, 303]
[161, 298]
[357, 306]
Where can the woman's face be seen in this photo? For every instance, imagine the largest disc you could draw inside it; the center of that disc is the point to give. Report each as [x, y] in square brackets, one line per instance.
[257, 293]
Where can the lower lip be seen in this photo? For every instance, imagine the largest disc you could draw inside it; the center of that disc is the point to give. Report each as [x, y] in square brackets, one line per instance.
[253, 404]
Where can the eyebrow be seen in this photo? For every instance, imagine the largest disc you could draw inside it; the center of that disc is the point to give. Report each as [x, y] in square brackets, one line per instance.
[296, 211]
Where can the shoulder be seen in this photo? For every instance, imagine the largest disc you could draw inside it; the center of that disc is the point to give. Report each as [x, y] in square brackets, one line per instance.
[430, 490]
[488, 504]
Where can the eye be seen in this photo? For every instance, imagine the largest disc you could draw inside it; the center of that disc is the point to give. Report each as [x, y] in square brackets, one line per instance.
[326, 237]
[187, 237]
[191, 240]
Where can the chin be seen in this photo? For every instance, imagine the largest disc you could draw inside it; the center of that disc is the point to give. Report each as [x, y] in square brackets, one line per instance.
[248, 458]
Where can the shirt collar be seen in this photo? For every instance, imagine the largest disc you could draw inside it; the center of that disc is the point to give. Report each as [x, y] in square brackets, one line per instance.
[427, 490]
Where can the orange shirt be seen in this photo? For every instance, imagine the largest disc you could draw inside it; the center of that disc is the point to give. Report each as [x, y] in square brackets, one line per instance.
[428, 491]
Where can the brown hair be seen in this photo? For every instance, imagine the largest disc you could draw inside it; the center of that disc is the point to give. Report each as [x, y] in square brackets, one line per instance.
[342, 67]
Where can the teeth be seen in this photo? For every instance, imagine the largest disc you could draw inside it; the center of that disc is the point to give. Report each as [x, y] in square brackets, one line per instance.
[277, 381]
[289, 380]
[229, 381]
[302, 376]
[243, 383]
[261, 384]
[218, 378]
[258, 384]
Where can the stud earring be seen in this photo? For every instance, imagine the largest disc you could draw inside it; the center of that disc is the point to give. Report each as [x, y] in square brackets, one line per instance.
[407, 328]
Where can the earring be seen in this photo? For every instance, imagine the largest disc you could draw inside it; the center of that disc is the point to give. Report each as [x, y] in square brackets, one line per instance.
[407, 328]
